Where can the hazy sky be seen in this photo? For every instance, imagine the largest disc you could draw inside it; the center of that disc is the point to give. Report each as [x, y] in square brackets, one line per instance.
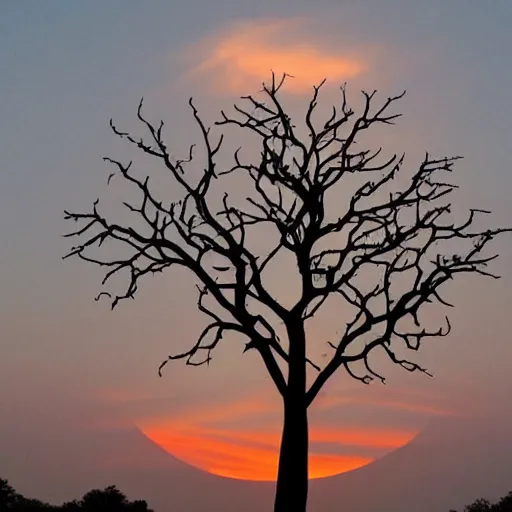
[69, 367]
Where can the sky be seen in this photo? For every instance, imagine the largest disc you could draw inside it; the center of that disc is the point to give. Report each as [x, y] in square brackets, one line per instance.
[73, 374]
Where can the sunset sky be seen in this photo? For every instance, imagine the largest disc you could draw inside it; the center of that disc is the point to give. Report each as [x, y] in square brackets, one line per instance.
[74, 375]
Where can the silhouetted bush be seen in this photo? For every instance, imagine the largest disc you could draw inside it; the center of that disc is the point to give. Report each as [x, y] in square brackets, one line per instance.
[483, 505]
[109, 499]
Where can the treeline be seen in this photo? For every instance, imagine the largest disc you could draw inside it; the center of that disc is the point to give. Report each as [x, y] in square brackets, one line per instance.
[483, 505]
[109, 499]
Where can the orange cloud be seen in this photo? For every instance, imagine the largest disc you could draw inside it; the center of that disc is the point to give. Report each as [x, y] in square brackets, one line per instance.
[252, 405]
[221, 457]
[243, 456]
[333, 401]
[243, 56]
[364, 437]
[357, 437]
[240, 438]
[253, 454]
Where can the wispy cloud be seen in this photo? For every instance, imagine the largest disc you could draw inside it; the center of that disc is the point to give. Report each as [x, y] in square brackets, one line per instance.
[239, 436]
[242, 55]
[253, 455]
[206, 439]
[413, 402]
[330, 402]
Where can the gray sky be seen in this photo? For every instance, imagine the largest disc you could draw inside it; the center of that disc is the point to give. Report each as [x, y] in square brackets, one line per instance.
[71, 370]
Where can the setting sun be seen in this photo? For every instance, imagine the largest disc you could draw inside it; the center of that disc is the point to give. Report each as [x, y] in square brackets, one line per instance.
[253, 455]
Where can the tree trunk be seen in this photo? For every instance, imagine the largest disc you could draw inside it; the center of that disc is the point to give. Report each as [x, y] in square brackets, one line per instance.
[292, 475]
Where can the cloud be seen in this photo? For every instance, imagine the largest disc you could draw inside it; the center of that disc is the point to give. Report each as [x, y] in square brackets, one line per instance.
[253, 455]
[239, 436]
[207, 439]
[244, 54]
[330, 402]
[416, 402]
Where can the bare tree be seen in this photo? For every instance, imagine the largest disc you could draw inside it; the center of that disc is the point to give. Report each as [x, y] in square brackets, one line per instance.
[404, 234]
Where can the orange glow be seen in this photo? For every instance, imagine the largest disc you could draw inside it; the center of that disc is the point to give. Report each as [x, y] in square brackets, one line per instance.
[254, 405]
[244, 55]
[253, 455]
[240, 439]
[414, 404]
[328, 402]
[376, 438]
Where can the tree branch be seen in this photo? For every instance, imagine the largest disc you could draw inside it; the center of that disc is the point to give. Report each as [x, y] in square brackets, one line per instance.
[398, 233]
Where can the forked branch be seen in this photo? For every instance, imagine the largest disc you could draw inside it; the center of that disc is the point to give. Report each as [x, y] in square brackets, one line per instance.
[399, 233]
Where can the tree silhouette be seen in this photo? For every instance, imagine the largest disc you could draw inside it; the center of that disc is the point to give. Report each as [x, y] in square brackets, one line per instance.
[484, 505]
[505, 504]
[12, 501]
[386, 233]
[480, 505]
[109, 499]
[8, 495]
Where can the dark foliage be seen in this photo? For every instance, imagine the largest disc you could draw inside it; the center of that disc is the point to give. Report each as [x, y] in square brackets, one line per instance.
[109, 499]
[483, 505]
